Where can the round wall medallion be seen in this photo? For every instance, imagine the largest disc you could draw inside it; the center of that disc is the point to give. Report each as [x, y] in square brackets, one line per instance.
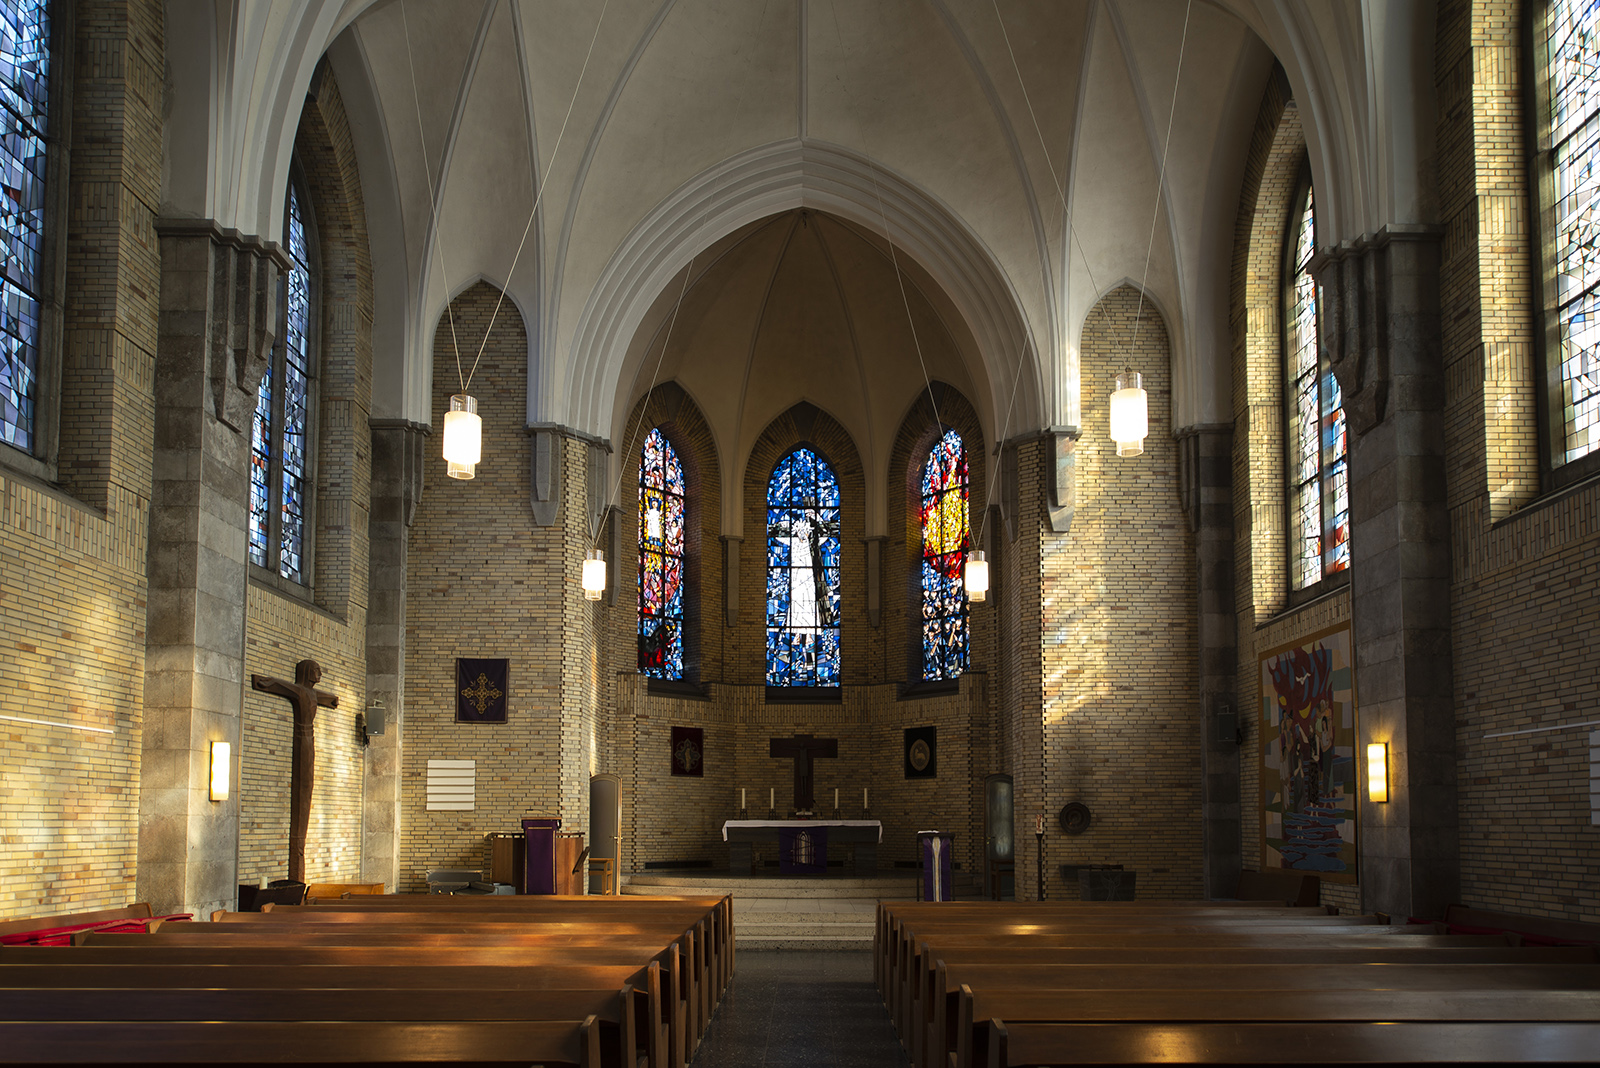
[1075, 817]
[920, 755]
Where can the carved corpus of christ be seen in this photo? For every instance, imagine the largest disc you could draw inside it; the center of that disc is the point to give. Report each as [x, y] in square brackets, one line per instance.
[305, 698]
[803, 748]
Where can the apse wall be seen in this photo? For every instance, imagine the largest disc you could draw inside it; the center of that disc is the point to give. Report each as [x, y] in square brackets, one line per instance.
[677, 819]
[1121, 722]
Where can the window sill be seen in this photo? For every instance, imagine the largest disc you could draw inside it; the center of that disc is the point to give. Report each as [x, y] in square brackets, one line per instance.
[1301, 600]
[675, 688]
[805, 695]
[271, 582]
[1556, 495]
[913, 691]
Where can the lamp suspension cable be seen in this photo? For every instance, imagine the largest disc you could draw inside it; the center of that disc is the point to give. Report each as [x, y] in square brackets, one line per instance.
[594, 566]
[463, 427]
[1063, 212]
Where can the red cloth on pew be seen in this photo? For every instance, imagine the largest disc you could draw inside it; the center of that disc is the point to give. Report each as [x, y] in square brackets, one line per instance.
[1527, 939]
[62, 936]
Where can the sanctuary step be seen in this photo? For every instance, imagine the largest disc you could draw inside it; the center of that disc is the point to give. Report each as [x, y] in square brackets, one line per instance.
[795, 912]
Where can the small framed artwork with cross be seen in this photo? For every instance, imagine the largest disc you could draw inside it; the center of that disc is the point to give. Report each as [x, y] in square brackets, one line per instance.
[481, 688]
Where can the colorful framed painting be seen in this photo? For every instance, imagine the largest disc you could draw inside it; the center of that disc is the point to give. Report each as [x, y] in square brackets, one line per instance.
[1308, 756]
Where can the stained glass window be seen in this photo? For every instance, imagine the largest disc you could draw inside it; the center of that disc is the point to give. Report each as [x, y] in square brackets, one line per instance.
[1574, 72]
[661, 492]
[280, 431]
[24, 96]
[803, 572]
[946, 537]
[1319, 493]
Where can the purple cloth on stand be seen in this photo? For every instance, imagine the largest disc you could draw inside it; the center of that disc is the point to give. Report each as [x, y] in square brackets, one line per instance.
[803, 850]
[936, 873]
[541, 854]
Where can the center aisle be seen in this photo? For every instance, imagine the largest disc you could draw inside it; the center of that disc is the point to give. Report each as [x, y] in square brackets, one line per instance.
[801, 1008]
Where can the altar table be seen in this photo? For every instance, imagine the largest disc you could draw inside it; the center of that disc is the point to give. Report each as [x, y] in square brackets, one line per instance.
[742, 836]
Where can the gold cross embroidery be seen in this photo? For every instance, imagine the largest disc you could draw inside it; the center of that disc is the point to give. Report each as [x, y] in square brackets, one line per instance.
[482, 693]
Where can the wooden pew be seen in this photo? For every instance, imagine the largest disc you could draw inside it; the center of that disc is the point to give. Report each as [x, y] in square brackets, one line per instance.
[612, 1040]
[1332, 1044]
[267, 1044]
[681, 1036]
[935, 1006]
[485, 989]
[1191, 991]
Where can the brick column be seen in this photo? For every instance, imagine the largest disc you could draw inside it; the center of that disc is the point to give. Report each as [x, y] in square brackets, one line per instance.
[1205, 478]
[397, 466]
[218, 311]
[1381, 297]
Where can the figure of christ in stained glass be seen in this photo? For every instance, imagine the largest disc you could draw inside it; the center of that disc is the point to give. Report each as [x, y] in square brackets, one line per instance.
[24, 96]
[661, 490]
[803, 572]
[1574, 56]
[946, 537]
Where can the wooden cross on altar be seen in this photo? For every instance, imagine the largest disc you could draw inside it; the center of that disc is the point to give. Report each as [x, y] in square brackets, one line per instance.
[305, 698]
[803, 748]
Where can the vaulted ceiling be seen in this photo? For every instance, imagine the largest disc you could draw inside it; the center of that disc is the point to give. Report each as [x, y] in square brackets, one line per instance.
[1010, 153]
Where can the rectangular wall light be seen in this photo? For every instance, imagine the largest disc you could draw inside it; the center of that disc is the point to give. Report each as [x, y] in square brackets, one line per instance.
[1378, 771]
[221, 769]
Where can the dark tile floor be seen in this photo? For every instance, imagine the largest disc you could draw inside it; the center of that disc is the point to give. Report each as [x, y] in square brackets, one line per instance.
[801, 1008]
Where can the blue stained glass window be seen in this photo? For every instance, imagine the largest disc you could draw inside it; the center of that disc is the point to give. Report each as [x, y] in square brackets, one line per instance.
[24, 96]
[1319, 497]
[280, 431]
[296, 393]
[661, 491]
[1574, 57]
[946, 537]
[803, 572]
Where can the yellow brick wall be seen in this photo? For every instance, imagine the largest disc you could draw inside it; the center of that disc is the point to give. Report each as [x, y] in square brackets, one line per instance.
[331, 627]
[483, 581]
[1121, 696]
[1525, 595]
[72, 560]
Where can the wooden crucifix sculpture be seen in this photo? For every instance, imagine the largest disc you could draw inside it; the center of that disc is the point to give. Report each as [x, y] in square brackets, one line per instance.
[803, 748]
[305, 698]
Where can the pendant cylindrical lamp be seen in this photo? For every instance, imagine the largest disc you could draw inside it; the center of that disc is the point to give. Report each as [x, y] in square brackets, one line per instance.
[977, 576]
[463, 436]
[1130, 414]
[594, 575]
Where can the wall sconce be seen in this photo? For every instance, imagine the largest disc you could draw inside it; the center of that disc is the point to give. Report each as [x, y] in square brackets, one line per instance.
[1378, 771]
[221, 769]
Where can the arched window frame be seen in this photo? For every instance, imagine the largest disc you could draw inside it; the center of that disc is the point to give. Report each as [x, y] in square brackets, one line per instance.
[38, 455]
[1561, 122]
[944, 634]
[664, 484]
[786, 505]
[1316, 480]
[269, 561]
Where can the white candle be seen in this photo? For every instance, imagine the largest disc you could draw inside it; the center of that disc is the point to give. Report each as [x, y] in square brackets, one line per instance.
[863, 797]
[772, 797]
[835, 797]
[741, 798]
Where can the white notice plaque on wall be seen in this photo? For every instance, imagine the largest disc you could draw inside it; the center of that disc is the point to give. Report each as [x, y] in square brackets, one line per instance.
[452, 785]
